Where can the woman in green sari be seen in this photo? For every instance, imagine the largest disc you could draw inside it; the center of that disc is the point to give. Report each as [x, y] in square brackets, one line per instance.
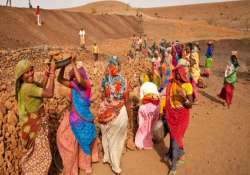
[230, 80]
[36, 158]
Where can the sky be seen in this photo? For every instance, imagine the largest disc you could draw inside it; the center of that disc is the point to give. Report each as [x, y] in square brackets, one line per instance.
[54, 4]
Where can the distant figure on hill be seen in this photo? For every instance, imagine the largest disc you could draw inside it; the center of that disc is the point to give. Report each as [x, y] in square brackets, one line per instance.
[8, 2]
[38, 15]
[30, 5]
[82, 38]
[95, 51]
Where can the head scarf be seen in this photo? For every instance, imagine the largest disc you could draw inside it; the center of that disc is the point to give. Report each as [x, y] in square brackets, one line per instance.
[113, 67]
[234, 52]
[21, 67]
[209, 42]
[182, 72]
[113, 83]
[82, 72]
[234, 61]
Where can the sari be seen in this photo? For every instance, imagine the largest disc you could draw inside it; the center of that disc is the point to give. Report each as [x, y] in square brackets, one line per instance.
[81, 132]
[36, 158]
[208, 61]
[230, 80]
[177, 116]
[174, 56]
[195, 72]
[209, 57]
[166, 71]
[156, 78]
[167, 68]
[114, 130]
[148, 115]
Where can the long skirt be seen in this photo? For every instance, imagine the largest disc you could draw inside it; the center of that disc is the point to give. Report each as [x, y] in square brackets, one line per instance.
[82, 42]
[72, 155]
[114, 134]
[208, 63]
[37, 159]
[177, 120]
[227, 93]
[147, 116]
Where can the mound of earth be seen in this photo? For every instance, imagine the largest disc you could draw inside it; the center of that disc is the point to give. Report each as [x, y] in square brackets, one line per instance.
[234, 14]
[106, 7]
[60, 28]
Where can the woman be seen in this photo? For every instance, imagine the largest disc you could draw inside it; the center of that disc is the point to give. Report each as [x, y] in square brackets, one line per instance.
[113, 115]
[185, 60]
[166, 72]
[195, 70]
[179, 101]
[156, 64]
[166, 68]
[77, 128]
[174, 55]
[148, 114]
[34, 135]
[38, 16]
[230, 79]
[209, 59]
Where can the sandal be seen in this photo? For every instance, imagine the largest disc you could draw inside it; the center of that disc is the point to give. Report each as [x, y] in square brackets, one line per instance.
[172, 172]
[180, 162]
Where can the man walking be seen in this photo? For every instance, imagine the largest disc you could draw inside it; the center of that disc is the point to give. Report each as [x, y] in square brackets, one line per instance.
[82, 38]
[38, 16]
[8, 2]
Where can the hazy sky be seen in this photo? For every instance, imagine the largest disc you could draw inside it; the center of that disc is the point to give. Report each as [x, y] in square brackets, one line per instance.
[52, 4]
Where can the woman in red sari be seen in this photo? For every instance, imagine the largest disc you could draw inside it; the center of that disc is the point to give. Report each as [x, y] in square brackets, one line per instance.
[179, 101]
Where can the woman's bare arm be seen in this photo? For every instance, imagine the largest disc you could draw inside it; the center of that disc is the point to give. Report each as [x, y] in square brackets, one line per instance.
[188, 101]
[79, 79]
[61, 78]
[45, 77]
[48, 90]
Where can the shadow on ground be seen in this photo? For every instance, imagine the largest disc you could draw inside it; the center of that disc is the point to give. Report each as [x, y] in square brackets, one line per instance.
[211, 98]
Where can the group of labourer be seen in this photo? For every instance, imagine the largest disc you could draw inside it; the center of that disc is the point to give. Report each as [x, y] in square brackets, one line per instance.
[168, 91]
[170, 88]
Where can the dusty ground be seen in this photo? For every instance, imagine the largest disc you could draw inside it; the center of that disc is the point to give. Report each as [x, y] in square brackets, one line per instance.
[217, 141]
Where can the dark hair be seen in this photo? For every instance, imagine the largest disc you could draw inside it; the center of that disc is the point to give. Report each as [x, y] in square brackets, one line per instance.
[234, 61]
[19, 83]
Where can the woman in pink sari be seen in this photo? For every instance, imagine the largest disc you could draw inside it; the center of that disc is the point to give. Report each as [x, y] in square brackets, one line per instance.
[148, 114]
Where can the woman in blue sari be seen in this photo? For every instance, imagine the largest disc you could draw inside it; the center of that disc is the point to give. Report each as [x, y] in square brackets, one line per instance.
[80, 121]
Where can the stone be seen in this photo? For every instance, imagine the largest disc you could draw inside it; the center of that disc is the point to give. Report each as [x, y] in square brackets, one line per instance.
[1, 119]
[8, 104]
[1, 148]
[11, 118]
[3, 109]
